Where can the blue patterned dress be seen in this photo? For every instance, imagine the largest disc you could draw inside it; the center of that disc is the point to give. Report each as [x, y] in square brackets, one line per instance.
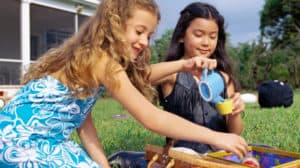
[36, 124]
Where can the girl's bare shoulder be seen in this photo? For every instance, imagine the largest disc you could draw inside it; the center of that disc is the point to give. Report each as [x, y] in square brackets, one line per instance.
[105, 66]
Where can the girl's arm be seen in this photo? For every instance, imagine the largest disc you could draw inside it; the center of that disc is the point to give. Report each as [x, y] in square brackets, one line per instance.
[160, 72]
[88, 136]
[167, 124]
[234, 120]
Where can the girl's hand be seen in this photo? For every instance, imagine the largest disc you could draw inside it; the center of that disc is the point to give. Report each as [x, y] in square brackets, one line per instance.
[196, 64]
[232, 143]
[238, 103]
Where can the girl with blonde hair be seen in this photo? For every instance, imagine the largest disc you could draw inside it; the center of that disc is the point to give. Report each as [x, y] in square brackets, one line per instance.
[111, 51]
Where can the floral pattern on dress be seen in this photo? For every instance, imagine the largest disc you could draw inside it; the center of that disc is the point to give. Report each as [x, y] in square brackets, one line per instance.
[36, 124]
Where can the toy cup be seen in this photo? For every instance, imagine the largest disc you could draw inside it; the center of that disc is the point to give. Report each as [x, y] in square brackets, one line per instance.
[251, 162]
[211, 86]
[224, 107]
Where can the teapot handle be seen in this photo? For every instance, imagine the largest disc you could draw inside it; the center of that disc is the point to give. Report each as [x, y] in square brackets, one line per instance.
[204, 73]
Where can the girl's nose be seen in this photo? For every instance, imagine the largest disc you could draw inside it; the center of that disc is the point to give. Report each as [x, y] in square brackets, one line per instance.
[205, 41]
[144, 41]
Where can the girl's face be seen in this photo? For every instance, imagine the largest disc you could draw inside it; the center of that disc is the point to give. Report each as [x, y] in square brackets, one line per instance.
[200, 38]
[139, 29]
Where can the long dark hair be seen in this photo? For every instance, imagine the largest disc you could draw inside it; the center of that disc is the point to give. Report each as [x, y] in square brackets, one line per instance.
[187, 15]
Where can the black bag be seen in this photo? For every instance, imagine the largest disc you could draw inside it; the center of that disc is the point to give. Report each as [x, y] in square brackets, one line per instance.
[275, 93]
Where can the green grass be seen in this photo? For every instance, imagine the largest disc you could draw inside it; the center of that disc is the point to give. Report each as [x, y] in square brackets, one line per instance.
[276, 127]
[119, 134]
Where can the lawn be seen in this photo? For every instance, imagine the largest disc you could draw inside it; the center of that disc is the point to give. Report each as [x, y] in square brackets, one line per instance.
[276, 127]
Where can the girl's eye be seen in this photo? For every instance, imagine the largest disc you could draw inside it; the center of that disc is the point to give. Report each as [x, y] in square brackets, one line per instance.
[213, 37]
[198, 35]
[139, 32]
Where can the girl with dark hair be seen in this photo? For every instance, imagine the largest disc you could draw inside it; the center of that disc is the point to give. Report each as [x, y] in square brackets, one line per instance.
[200, 33]
[110, 51]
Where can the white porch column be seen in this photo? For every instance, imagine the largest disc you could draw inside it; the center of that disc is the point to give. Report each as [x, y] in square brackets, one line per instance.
[79, 9]
[25, 34]
[76, 22]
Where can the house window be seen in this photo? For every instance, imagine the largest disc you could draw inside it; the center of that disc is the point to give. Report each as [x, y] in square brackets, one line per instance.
[10, 73]
[55, 38]
[34, 42]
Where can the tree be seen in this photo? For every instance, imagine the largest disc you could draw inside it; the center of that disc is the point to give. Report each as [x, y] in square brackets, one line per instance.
[280, 25]
[160, 48]
[250, 63]
[279, 21]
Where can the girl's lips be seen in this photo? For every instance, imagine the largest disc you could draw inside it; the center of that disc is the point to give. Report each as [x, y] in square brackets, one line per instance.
[204, 51]
[207, 50]
[136, 52]
[136, 49]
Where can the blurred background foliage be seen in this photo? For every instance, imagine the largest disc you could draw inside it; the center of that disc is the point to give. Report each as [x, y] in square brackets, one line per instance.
[274, 55]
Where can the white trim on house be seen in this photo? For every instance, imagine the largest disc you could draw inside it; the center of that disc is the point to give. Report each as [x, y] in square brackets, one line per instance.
[25, 33]
[73, 6]
[10, 60]
[77, 8]
[87, 6]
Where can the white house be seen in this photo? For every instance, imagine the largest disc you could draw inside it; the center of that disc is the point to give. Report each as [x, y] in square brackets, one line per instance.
[30, 27]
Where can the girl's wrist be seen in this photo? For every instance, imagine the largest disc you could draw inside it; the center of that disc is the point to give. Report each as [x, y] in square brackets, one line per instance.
[213, 136]
[234, 116]
[181, 65]
[184, 63]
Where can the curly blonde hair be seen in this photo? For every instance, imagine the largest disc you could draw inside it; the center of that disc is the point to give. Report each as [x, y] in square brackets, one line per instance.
[102, 34]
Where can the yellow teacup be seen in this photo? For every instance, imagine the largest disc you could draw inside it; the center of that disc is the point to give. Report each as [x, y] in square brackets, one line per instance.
[225, 107]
